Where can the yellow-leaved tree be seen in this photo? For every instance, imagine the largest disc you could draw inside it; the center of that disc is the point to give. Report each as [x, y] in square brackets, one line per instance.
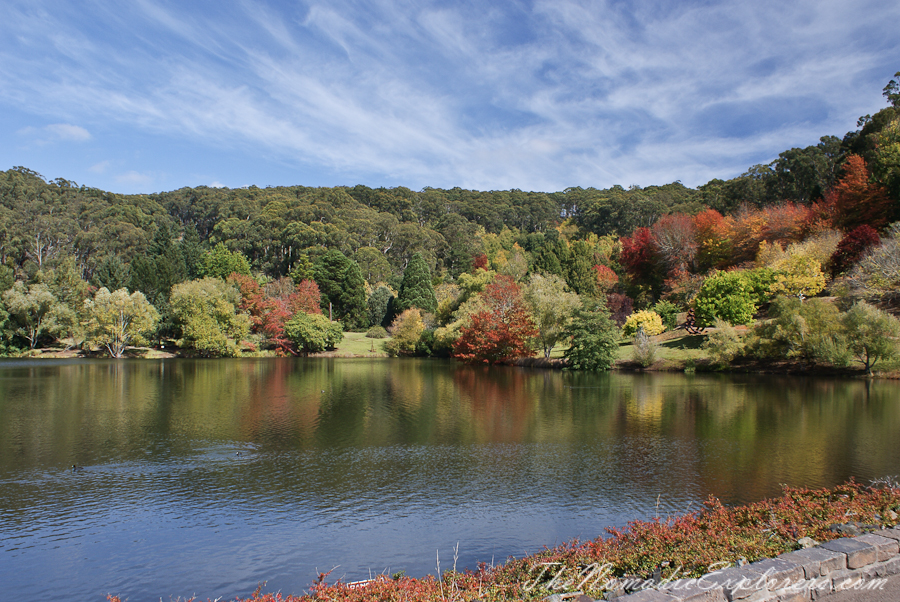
[118, 319]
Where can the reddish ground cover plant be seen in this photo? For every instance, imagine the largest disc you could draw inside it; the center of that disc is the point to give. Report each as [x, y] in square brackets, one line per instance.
[502, 332]
[684, 545]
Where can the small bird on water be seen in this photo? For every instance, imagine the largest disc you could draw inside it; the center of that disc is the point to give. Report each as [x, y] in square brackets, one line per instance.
[76, 468]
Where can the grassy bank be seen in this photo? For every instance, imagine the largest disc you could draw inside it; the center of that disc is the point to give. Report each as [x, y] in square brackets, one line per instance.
[682, 546]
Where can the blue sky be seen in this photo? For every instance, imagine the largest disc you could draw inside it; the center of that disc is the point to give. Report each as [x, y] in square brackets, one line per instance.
[152, 95]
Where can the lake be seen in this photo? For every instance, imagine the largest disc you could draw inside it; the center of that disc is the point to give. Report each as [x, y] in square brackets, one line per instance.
[208, 477]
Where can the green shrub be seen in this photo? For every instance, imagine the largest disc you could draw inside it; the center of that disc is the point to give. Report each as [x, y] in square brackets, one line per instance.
[728, 296]
[724, 344]
[668, 312]
[648, 321]
[376, 332]
[313, 333]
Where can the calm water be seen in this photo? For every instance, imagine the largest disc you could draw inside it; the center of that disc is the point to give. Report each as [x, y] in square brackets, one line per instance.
[208, 477]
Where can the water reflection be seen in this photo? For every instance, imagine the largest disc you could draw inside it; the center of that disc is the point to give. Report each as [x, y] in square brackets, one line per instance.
[209, 476]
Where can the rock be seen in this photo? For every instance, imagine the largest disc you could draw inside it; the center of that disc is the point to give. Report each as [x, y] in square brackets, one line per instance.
[892, 515]
[847, 530]
[807, 542]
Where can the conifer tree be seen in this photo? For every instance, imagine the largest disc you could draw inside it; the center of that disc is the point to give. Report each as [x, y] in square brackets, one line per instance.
[416, 289]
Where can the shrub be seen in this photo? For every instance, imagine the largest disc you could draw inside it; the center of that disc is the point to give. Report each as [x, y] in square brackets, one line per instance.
[726, 296]
[405, 332]
[645, 349]
[313, 333]
[872, 334]
[724, 343]
[808, 331]
[376, 332]
[668, 312]
[645, 320]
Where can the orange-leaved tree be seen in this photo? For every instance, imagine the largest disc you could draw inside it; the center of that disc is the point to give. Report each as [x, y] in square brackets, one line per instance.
[501, 332]
[857, 201]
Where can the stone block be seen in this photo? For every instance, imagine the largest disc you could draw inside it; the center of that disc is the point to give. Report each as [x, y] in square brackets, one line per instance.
[647, 595]
[889, 533]
[778, 572]
[888, 567]
[885, 547]
[693, 590]
[859, 554]
[736, 583]
[816, 561]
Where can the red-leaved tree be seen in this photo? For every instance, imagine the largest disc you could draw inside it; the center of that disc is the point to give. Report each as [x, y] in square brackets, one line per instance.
[637, 256]
[501, 332]
[852, 247]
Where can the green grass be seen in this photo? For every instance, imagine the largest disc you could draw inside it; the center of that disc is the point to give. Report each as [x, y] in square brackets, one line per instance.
[678, 350]
[356, 343]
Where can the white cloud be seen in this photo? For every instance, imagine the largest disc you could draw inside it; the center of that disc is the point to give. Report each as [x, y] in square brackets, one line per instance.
[67, 131]
[99, 168]
[134, 178]
[574, 92]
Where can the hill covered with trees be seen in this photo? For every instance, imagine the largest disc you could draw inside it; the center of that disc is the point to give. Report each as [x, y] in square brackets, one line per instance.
[219, 270]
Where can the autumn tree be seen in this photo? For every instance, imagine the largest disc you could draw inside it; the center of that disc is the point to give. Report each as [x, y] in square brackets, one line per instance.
[117, 319]
[503, 331]
[852, 247]
[405, 331]
[551, 307]
[675, 243]
[857, 200]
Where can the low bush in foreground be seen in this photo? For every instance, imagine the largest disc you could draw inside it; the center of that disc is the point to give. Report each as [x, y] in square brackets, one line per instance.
[682, 546]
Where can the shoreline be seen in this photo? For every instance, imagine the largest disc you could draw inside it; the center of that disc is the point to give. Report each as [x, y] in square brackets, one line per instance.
[701, 366]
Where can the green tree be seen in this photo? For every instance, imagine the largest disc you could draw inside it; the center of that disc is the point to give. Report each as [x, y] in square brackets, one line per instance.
[552, 307]
[416, 289]
[809, 331]
[34, 311]
[313, 333]
[379, 305]
[871, 334]
[594, 338]
[112, 273]
[222, 263]
[373, 264]
[342, 288]
[727, 296]
[206, 312]
[116, 319]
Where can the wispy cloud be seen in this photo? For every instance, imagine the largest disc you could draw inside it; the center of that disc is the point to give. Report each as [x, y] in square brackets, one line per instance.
[541, 96]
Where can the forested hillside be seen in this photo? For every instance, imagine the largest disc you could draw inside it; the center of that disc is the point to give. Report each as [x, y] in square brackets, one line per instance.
[828, 204]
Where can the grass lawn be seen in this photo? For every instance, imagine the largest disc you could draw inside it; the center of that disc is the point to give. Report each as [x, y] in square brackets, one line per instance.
[356, 344]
